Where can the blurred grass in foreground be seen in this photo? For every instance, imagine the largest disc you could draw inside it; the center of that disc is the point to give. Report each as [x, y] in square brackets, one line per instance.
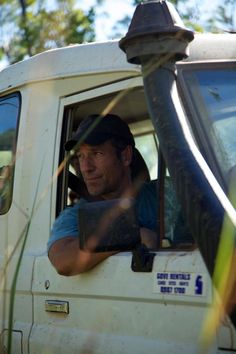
[224, 278]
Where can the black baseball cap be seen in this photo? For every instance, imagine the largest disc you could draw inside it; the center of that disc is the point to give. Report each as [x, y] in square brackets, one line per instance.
[96, 129]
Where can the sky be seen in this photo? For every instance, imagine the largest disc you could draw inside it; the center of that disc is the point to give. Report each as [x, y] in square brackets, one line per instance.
[115, 10]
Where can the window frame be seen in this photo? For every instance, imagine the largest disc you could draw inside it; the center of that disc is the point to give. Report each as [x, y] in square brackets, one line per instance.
[66, 106]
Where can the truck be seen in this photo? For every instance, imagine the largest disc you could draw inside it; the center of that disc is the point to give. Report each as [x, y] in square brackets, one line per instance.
[176, 90]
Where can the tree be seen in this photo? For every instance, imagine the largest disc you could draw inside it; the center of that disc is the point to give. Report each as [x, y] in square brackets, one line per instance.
[224, 19]
[33, 27]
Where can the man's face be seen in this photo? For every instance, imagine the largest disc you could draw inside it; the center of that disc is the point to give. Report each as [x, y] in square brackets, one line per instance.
[105, 175]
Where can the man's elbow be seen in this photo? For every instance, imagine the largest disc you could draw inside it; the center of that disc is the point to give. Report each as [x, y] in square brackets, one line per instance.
[63, 255]
[60, 267]
[68, 269]
[68, 259]
[65, 271]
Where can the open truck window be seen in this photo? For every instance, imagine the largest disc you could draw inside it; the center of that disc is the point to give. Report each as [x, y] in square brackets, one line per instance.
[9, 112]
[132, 108]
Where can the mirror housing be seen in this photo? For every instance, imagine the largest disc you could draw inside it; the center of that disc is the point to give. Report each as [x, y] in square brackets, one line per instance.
[109, 225]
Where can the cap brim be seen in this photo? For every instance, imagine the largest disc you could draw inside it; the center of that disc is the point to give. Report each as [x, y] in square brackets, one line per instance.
[91, 139]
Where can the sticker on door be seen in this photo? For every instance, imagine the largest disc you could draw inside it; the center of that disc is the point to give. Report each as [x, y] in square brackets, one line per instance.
[180, 283]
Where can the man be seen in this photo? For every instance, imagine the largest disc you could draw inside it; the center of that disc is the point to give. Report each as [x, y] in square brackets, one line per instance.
[105, 149]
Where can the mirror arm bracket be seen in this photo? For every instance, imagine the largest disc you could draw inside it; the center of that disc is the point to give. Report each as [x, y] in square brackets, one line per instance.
[142, 259]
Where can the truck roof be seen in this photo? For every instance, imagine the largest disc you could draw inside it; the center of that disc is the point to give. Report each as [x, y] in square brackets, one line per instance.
[99, 57]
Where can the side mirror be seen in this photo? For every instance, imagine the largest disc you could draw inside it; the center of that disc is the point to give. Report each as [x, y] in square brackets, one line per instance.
[110, 225]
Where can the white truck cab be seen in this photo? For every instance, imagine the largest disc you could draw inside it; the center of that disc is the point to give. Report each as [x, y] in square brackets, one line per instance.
[115, 307]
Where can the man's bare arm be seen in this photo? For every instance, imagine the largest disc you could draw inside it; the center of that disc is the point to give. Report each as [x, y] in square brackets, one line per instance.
[68, 259]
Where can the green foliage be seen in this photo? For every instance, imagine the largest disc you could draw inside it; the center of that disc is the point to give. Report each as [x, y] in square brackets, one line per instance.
[225, 16]
[34, 27]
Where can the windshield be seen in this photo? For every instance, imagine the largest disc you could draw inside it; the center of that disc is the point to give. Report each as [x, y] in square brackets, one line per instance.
[213, 96]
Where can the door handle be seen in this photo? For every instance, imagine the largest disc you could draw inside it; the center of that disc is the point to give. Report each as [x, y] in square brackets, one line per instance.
[57, 306]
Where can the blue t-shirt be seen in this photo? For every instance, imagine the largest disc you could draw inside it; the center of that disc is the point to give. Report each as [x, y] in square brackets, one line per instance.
[146, 203]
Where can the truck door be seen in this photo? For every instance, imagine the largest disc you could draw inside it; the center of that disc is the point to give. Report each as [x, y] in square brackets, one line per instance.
[25, 172]
[113, 308]
[10, 106]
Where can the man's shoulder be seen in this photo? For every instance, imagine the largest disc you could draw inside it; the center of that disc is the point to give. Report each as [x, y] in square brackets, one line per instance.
[71, 210]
